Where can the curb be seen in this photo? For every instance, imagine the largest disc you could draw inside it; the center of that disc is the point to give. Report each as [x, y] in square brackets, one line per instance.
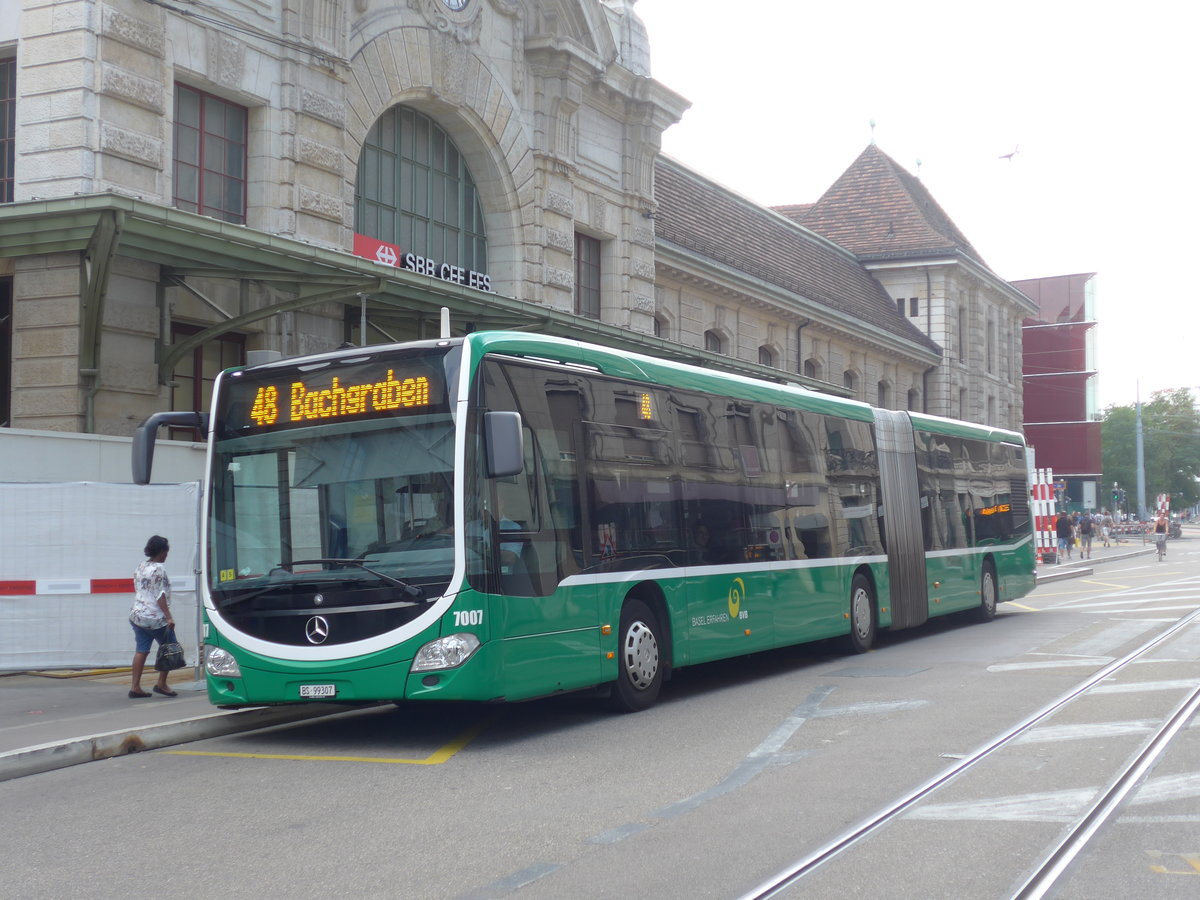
[1064, 575]
[60, 754]
[1075, 570]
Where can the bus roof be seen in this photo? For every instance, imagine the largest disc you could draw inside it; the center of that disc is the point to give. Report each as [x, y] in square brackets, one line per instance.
[638, 367]
[648, 369]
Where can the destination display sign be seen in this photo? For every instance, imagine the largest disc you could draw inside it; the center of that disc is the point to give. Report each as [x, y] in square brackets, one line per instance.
[396, 387]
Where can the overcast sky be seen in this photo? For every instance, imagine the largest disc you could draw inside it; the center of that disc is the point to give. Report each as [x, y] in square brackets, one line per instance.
[1099, 101]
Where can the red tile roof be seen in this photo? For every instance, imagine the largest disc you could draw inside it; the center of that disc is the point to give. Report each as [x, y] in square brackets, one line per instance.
[877, 208]
[728, 229]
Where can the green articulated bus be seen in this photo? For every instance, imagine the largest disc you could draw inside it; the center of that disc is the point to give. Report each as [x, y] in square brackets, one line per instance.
[507, 516]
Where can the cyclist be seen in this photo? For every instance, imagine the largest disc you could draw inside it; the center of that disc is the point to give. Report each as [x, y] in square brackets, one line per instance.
[1160, 534]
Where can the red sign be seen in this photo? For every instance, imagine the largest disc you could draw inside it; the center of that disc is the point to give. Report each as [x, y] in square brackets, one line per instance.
[380, 251]
[391, 255]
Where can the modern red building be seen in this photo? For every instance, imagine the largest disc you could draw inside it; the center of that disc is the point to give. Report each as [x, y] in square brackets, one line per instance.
[1061, 416]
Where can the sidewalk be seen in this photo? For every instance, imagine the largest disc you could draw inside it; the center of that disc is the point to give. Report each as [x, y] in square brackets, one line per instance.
[52, 720]
[1077, 567]
[1129, 548]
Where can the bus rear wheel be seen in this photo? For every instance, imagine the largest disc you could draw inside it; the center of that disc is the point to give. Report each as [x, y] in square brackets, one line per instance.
[640, 660]
[862, 615]
[987, 594]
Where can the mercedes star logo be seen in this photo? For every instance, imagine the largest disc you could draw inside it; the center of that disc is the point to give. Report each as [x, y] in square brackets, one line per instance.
[316, 630]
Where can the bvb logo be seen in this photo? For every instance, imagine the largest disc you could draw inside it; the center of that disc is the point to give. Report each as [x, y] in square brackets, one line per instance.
[737, 590]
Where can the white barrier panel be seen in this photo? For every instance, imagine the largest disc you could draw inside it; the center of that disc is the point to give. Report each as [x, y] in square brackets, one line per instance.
[67, 556]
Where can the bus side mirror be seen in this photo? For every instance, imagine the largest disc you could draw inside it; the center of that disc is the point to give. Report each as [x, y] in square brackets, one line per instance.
[144, 437]
[505, 444]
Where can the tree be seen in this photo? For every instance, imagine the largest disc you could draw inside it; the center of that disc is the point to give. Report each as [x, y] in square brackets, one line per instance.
[1171, 443]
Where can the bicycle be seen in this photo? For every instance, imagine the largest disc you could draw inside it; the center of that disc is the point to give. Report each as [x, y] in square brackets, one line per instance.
[1160, 541]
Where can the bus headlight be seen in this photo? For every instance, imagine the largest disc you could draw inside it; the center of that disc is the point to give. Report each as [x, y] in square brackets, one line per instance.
[446, 652]
[220, 663]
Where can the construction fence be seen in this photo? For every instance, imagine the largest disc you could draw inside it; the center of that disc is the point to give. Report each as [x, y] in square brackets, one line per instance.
[68, 552]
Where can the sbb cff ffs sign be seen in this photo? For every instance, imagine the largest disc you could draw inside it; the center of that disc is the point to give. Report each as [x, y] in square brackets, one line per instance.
[391, 255]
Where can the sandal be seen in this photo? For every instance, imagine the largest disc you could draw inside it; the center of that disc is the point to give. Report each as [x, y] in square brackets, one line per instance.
[166, 692]
[138, 695]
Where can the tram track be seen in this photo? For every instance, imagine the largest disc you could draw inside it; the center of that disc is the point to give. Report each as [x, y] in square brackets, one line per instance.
[1042, 878]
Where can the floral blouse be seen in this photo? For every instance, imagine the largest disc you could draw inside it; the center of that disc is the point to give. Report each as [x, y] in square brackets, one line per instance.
[150, 582]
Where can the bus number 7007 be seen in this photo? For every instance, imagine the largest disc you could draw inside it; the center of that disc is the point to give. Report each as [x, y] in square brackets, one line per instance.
[468, 617]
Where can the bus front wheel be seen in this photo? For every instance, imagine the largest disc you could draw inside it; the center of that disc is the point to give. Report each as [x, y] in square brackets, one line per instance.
[640, 666]
[862, 614]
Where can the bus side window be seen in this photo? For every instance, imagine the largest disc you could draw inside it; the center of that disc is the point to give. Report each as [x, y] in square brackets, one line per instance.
[806, 494]
[560, 463]
[854, 477]
[514, 517]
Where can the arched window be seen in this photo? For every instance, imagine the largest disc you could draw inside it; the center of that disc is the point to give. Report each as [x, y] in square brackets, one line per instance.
[660, 327]
[914, 400]
[765, 356]
[850, 380]
[414, 190]
[811, 369]
[713, 342]
[883, 395]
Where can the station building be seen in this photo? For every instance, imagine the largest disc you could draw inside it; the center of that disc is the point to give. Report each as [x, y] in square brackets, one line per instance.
[185, 187]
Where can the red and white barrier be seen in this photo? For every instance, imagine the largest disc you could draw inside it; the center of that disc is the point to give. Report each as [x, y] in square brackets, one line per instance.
[1041, 504]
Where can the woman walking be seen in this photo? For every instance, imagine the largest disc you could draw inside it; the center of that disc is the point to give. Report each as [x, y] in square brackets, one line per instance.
[151, 613]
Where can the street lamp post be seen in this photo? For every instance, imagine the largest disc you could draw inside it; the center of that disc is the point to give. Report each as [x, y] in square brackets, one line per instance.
[1141, 463]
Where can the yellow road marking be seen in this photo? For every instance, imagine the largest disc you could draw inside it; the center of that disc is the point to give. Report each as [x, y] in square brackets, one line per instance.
[1192, 860]
[1123, 587]
[439, 756]
[1022, 606]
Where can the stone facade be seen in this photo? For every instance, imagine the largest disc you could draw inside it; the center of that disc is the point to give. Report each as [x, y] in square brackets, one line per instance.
[552, 107]
[550, 103]
[979, 329]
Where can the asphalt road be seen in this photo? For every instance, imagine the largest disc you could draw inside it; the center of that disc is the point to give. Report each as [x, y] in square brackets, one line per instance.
[744, 767]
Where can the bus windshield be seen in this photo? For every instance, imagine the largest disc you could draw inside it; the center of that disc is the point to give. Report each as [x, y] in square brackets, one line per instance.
[354, 504]
[333, 478]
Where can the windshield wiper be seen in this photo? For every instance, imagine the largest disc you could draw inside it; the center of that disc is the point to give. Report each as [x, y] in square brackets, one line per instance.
[411, 589]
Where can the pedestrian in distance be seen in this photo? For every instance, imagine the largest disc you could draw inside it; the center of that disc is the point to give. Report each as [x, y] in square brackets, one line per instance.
[150, 615]
[1106, 527]
[1086, 528]
[1065, 532]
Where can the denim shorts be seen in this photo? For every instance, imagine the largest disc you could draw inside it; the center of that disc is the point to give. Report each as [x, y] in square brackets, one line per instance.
[146, 637]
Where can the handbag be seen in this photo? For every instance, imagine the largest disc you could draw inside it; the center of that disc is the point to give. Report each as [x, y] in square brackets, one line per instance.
[170, 654]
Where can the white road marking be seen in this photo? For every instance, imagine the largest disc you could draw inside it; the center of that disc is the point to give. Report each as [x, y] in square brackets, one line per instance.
[1057, 806]
[1051, 664]
[1086, 731]
[1182, 684]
